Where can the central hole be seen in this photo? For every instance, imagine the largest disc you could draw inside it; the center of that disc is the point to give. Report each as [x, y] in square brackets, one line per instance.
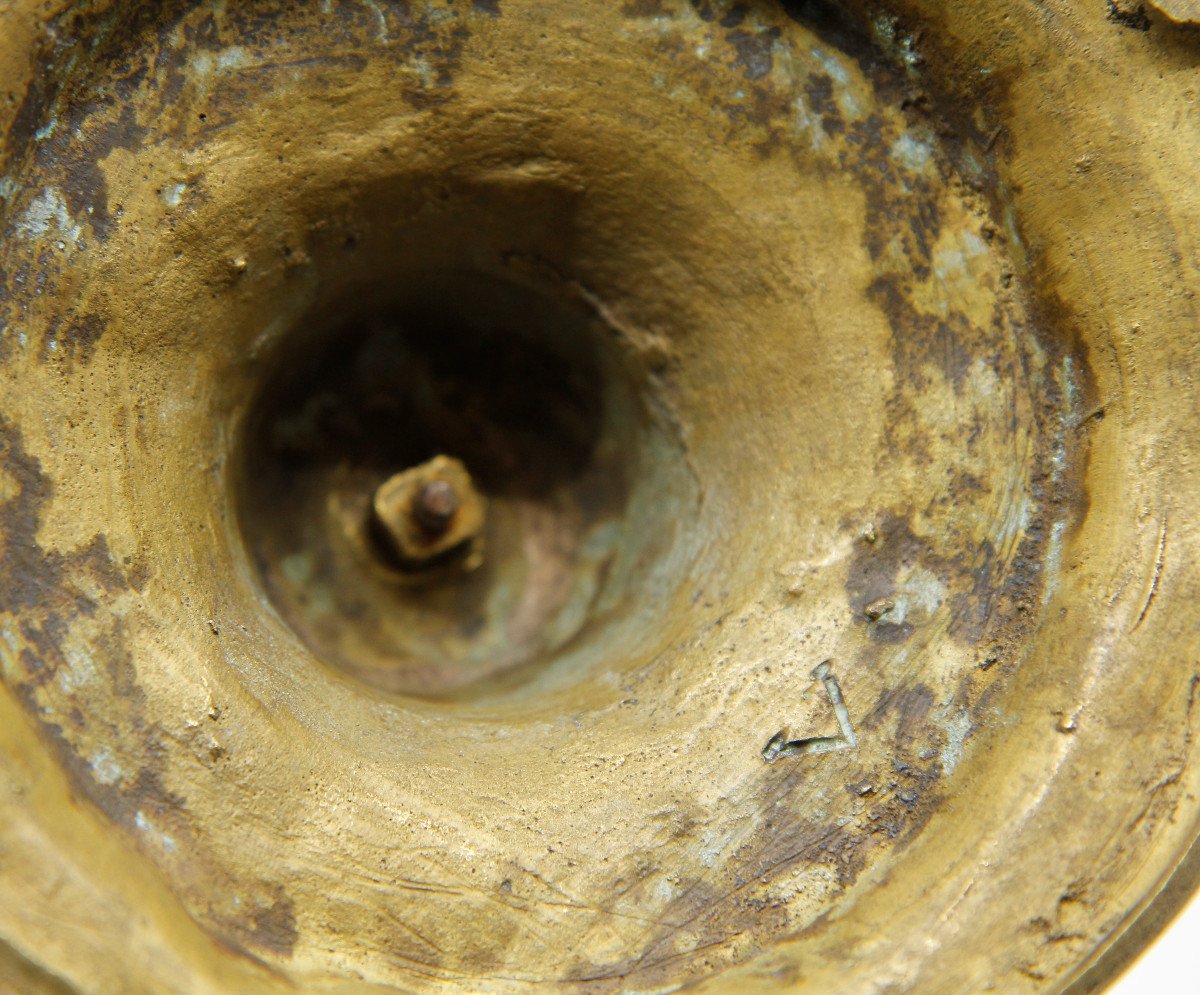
[521, 408]
[522, 391]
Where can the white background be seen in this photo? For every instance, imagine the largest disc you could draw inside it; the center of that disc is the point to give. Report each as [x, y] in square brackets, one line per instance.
[1172, 964]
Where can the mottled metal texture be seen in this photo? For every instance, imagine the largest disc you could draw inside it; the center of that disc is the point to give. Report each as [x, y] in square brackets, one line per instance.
[837, 630]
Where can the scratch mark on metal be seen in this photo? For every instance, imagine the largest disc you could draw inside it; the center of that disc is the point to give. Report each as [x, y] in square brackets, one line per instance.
[1158, 569]
[381, 17]
[779, 745]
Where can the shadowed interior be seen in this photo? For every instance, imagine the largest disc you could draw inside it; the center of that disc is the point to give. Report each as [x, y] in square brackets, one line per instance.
[549, 411]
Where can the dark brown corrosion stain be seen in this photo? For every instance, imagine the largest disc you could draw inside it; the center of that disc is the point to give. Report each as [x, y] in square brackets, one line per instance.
[31, 113]
[48, 591]
[1001, 599]
[725, 917]
[33, 579]
[754, 50]
[901, 205]
[969, 112]
[29, 577]
[45, 589]
[73, 157]
[8, 329]
[275, 927]
[24, 275]
[74, 338]
[58, 46]
[747, 49]
[111, 77]
[81, 101]
[909, 705]
[943, 342]
[819, 93]
[137, 796]
[727, 14]
[269, 927]
[733, 908]
[875, 568]
[396, 31]
[992, 604]
[1128, 15]
[120, 83]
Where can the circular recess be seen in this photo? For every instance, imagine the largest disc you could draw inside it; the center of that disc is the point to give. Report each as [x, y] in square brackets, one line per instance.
[551, 413]
[534, 495]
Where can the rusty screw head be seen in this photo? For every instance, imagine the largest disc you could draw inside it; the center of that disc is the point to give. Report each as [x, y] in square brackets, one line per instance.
[434, 506]
[421, 515]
